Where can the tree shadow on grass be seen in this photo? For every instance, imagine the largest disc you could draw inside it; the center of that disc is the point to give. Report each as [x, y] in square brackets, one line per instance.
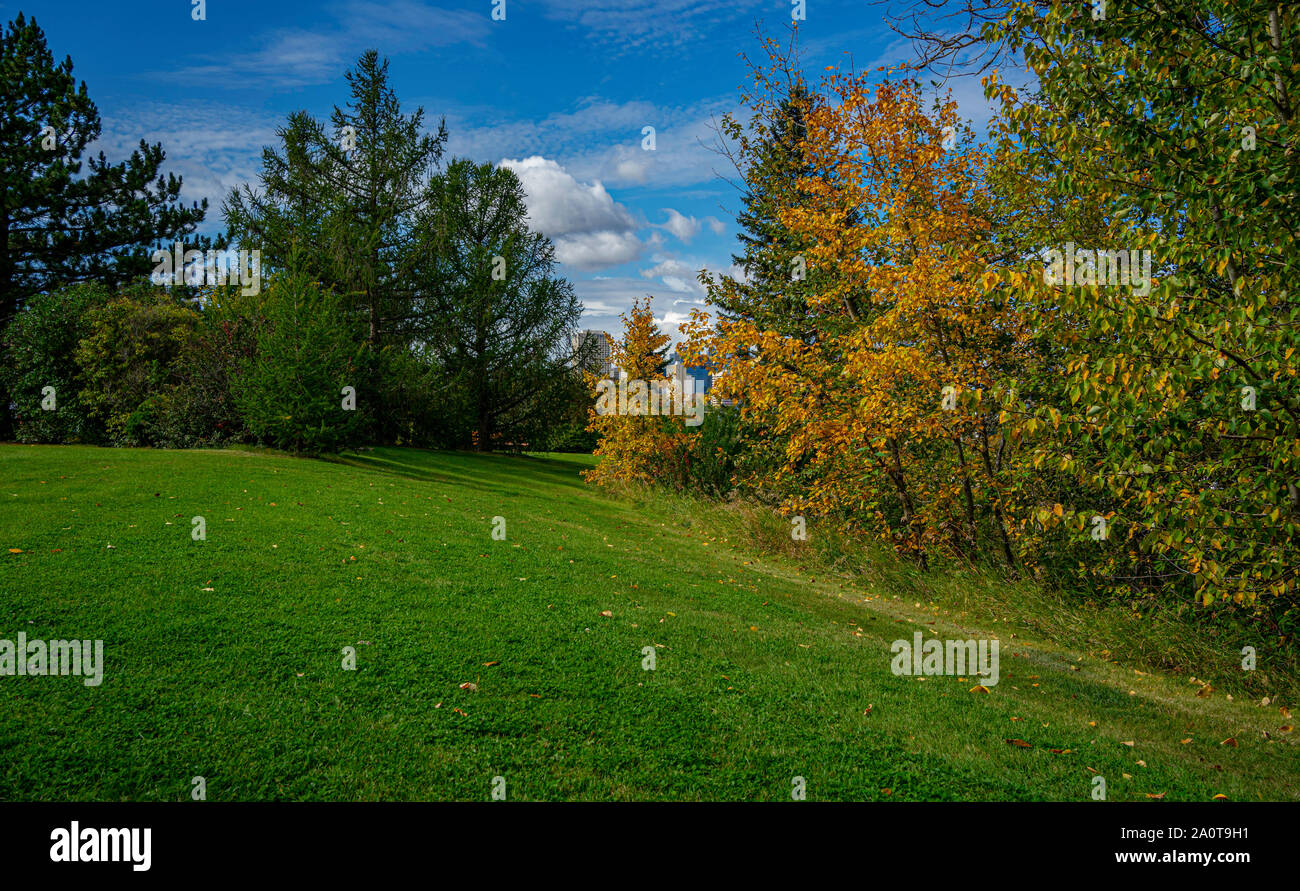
[483, 470]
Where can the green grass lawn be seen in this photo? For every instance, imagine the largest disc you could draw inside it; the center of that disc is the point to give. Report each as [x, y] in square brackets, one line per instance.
[224, 656]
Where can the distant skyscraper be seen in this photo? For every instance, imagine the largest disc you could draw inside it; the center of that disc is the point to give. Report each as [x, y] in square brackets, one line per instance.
[680, 372]
[595, 344]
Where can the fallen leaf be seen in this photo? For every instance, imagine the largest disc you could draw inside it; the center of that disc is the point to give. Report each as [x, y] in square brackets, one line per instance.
[1205, 691]
[1185, 741]
[979, 688]
[1220, 797]
[1230, 741]
[1019, 743]
[1155, 795]
[470, 686]
[607, 614]
[490, 664]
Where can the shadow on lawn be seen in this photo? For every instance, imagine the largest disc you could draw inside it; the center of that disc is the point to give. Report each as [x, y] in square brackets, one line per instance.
[482, 470]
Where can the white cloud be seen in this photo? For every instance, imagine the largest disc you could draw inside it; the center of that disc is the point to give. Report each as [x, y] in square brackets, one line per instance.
[686, 228]
[213, 147]
[678, 276]
[602, 140]
[589, 228]
[597, 250]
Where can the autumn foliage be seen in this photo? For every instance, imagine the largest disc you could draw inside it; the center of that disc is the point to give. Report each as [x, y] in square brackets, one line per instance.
[907, 363]
[636, 446]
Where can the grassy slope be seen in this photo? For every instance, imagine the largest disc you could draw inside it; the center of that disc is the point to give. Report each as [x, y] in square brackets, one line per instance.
[763, 673]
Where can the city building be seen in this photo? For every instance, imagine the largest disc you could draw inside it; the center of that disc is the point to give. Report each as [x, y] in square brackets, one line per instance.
[594, 344]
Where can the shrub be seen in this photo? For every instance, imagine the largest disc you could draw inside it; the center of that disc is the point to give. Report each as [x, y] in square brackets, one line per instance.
[715, 449]
[200, 409]
[39, 351]
[127, 362]
[290, 391]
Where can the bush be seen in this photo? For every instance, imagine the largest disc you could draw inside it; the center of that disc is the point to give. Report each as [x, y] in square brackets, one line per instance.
[127, 362]
[290, 392]
[716, 448]
[39, 351]
[200, 409]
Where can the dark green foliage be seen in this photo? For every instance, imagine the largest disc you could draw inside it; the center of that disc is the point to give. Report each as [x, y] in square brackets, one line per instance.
[715, 449]
[62, 223]
[290, 393]
[499, 316]
[66, 217]
[128, 360]
[38, 352]
[200, 408]
[340, 202]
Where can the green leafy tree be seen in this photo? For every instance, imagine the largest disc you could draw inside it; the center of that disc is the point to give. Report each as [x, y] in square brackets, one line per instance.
[341, 200]
[1179, 400]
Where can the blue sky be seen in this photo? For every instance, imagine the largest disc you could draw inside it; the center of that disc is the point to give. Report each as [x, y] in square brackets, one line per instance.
[560, 90]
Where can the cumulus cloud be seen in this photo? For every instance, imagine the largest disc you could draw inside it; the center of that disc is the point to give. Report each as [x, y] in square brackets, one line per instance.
[676, 275]
[686, 228]
[590, 229]
[602, 140]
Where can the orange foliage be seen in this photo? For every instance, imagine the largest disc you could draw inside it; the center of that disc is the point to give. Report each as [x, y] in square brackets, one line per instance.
[885, 415]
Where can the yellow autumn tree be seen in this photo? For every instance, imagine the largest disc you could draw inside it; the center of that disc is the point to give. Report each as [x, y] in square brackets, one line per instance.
[640, 438]
[885, 408]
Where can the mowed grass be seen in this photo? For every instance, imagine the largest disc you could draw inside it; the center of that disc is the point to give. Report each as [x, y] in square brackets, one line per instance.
[224, 656]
